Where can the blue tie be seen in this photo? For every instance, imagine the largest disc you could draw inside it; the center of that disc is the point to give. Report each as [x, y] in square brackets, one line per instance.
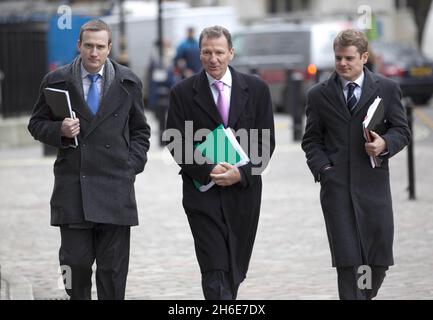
[93, 94]
[351, 98]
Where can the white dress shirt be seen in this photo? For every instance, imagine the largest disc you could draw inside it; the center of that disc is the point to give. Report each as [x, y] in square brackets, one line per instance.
[227, 80]
[358, 89]
[86, 81]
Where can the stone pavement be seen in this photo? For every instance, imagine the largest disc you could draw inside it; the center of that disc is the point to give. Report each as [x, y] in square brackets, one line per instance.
[291, 258]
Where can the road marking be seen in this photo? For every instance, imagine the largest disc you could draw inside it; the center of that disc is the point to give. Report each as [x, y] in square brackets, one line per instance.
[279, 125]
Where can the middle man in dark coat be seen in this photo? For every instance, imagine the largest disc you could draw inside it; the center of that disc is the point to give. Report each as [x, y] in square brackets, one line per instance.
[224, 219]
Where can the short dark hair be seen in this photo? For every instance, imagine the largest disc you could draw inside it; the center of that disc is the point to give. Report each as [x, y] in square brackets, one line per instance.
[95, 25]
[352, 37]
[216, 32]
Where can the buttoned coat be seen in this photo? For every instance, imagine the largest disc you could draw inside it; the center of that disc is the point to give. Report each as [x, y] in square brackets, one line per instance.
[95, 182]
[223, 220]
[355, 198]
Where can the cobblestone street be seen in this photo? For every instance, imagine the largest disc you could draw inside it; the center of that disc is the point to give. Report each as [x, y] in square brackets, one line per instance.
[291, 258]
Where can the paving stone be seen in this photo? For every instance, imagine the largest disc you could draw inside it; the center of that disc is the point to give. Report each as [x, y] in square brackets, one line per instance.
[291, 258]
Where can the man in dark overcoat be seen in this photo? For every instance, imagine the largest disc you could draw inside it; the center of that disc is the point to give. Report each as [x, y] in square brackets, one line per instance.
[224, 219]
[93, 200]
[355, 197]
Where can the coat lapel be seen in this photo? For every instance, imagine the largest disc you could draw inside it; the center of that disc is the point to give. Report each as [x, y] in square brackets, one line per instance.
[75, 88]
[114, 97]
[238, 99]
[334, 94]
[369, 90]
[203, 97]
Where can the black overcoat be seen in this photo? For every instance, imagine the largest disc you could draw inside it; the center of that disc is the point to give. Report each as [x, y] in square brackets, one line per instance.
[223, 220]
[95, 182]
[355, 198]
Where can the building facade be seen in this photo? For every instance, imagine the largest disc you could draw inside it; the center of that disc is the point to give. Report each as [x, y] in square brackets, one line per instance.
[392, 20]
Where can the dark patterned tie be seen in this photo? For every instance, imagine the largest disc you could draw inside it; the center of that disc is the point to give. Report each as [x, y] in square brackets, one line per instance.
[351, 99]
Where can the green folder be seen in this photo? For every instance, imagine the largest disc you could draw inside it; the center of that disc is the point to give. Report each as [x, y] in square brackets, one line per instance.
[221, 145]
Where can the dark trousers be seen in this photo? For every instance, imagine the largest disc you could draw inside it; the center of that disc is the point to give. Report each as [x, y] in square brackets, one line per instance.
[348, 286]
[109, 245]
[218, 285]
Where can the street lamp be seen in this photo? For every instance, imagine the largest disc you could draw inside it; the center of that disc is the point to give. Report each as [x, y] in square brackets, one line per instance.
[160, 33]
[123, 54]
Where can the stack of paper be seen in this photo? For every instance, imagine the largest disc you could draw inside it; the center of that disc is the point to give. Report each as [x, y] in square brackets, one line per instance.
[221, 146]
[60, 105]
[373, 120]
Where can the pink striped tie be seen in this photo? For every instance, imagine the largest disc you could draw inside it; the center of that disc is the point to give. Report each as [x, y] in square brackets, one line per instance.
[222, 105]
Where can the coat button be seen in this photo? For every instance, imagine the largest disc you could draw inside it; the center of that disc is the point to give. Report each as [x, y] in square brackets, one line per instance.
[84, 177]
[84, 145]
[115, 114]
[107, 146]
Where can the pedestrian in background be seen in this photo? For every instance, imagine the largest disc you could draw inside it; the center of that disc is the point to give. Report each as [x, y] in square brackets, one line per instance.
[187, 58]
[93, 200]
[224, 219]
[161, 77]
[355, 197]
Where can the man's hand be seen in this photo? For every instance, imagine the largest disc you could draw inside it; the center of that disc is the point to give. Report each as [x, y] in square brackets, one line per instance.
[224, 174]
[377, 146]
[218, 169]
[70, 128]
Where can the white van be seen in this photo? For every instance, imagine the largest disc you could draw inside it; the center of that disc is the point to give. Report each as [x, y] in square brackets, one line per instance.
[427, 43]
[271, 49]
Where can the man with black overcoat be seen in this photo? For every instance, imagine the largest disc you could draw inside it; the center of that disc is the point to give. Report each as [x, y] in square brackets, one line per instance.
[355, 197]
[224, 219]
[93, 200]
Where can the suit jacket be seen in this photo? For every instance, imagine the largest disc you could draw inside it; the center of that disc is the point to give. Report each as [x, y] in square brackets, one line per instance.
[355, 198]
[95, 182]
[229, 213]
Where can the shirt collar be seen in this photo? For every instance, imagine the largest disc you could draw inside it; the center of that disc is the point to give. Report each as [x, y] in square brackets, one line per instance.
[226, 79]
[84, 72]
[358, 81]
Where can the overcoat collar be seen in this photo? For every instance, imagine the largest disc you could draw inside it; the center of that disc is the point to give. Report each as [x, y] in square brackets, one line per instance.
[333, 92]
[115, 90]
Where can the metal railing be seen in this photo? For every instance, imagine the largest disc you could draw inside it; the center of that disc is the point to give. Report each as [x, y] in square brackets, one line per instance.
[23, 64]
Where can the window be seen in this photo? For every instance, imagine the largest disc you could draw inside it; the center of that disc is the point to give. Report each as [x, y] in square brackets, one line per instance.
[283, 6]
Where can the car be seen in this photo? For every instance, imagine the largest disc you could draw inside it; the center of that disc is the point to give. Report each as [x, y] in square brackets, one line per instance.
[406, 65]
